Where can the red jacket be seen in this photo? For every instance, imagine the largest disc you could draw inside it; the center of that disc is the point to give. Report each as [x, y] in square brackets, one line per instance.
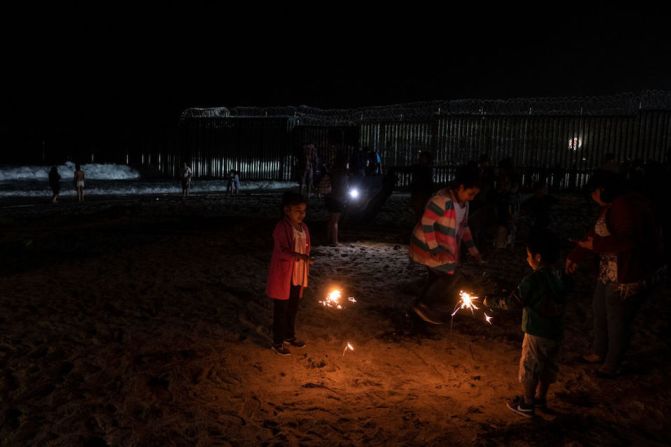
[634, 237]
[282, 261]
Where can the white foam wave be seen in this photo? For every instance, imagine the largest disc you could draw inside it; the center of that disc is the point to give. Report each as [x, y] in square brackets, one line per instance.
[93, 171]
[129, 188]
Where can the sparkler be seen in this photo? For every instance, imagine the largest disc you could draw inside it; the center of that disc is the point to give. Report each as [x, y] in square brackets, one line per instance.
[333, 299]
[348, 347]
[466, 301]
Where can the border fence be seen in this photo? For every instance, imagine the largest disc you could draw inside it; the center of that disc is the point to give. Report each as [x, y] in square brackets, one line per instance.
[559, 140]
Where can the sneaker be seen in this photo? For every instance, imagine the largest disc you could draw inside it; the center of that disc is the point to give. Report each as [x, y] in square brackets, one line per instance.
[281, 350]
[518, 406]
[423, 311]
[296, 342]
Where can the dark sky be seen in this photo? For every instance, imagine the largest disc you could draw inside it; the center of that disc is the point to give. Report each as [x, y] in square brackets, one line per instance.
[126, 65]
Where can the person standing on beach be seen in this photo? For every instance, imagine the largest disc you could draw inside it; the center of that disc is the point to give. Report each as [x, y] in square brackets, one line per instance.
[186, 179]
[79, 182]
[233, 186]
[542, 294]
[628, 242]
[54, 183]
[289, 269]
[336, 198]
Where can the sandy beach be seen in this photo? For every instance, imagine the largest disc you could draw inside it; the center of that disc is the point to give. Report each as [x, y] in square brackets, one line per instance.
[142, 321]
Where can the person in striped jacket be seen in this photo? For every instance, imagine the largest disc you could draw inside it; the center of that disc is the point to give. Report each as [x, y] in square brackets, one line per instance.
[436, 239]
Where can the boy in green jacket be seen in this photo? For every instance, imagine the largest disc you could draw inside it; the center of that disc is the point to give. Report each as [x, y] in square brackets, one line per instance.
[542, 294]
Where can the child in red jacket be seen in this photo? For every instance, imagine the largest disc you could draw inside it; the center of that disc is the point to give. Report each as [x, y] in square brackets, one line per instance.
[289, 269]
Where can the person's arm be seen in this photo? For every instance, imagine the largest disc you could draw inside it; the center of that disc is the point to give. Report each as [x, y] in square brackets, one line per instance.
[284, 247]
[467, 239]
[432, 212]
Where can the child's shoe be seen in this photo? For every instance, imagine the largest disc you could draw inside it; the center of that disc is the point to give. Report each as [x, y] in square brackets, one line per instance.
[425, 313]
[517, 405]
[296, 342]
[281, 350]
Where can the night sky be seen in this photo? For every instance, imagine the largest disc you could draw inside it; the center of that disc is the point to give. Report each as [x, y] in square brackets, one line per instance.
[95, 64]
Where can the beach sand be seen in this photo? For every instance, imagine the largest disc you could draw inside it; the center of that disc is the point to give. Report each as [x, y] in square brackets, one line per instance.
[142, 321]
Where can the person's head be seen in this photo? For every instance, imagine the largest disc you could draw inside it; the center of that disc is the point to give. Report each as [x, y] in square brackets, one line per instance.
[466, 184]
[605, 186]
[542, 249]
[294, 207]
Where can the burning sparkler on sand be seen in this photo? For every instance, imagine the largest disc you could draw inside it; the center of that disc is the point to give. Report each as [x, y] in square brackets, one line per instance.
[348, 347]
[333, 299]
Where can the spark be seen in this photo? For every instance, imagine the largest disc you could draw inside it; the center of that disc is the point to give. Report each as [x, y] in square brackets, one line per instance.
[466, 301]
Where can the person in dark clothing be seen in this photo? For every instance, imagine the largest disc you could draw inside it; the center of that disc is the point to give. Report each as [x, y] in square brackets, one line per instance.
[336, 199]
[54, 183]
[542, 294]
[628, 242]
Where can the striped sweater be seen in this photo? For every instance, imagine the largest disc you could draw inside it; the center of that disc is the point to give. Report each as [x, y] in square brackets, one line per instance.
[437, 234]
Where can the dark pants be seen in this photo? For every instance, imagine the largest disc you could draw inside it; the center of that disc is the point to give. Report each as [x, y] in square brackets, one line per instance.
[284, 316]
[441, 290]
[613, 321]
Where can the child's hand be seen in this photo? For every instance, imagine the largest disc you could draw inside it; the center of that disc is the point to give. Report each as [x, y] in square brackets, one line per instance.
[587, 243]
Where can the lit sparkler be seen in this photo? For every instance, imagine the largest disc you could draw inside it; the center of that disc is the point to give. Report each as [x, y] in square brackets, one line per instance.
[334, 299]
[466, 301]
[348, 347]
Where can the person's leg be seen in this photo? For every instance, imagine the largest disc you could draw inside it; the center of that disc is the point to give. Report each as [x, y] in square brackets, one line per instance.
[549, 368]
[528, 374]
[542, 391]
[600, 341]
[292, 310]
[529, 388]
[333, 228]
[431, 279]
[528, 378]
[620, 314]
[279, 321]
